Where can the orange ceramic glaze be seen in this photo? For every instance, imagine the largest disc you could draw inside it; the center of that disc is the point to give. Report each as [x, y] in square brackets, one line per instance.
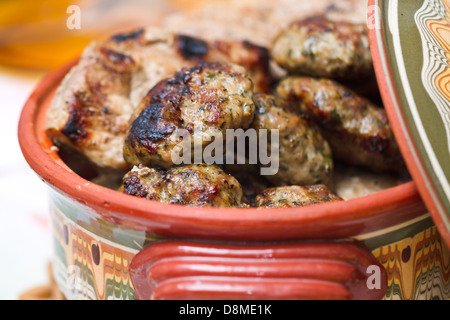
[399, 107]
[302, 270]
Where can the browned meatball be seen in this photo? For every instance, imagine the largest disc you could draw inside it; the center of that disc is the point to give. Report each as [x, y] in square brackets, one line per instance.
[295, 196]
[191, 185]
[323, 48]
[304, 155]
[358, 131]
[203, 101]
[92, 107]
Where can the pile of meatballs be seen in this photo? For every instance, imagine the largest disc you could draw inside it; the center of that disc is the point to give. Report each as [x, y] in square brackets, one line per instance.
[124, 101]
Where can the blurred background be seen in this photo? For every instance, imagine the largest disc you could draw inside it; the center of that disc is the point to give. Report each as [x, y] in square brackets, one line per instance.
[37, 36]
[41, 34]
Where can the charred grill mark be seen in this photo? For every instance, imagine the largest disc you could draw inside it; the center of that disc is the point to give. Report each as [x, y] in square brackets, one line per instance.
[161, 114]
[151, 127]
[181, 78]
[132, 186]
[191, 48]
[117, 61]
[128, 36]
[203, 194]
[75, 128]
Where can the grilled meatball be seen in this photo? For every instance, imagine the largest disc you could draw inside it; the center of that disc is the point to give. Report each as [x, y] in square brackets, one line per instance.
[304, 156]
[323, 48]
[191, 185]
[358, 131]
[295, 196]
[202, 101]
[92, 107]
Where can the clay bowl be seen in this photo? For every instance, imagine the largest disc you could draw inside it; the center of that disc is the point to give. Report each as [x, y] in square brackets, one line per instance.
[334, 220]
[91, 221]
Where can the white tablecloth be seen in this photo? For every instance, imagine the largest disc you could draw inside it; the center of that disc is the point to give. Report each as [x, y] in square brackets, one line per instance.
[25, 229]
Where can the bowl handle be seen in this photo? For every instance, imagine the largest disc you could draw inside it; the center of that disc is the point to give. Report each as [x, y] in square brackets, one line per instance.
[228, 271]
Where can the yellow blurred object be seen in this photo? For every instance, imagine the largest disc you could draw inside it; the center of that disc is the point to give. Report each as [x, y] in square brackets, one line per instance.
[187, 5]
[36, 33]
[43, 55]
